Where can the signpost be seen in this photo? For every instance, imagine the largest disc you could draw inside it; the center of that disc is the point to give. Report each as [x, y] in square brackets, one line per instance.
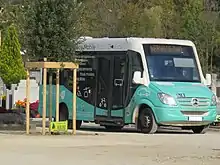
[60, 126]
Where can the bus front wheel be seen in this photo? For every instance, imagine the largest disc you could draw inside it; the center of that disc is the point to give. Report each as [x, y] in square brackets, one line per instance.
[147, 123]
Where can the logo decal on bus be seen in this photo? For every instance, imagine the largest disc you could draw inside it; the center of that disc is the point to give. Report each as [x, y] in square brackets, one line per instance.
[195, 102]
[180, 95]
[62, 95]
[144, 92]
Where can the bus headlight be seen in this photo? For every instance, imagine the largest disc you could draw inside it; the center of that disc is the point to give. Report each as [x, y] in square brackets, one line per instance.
[213, 101]
[167, 99]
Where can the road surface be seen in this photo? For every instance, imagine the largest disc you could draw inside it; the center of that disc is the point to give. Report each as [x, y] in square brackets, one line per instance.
[105, 148]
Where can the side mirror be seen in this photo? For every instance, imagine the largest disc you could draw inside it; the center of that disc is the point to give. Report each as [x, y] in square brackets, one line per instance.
[137, 77]
[208, 79]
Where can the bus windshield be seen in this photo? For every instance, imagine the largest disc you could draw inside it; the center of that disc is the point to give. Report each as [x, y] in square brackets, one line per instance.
[171, 63]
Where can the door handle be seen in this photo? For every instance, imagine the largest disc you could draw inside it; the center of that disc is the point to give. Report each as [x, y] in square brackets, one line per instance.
[118, 82]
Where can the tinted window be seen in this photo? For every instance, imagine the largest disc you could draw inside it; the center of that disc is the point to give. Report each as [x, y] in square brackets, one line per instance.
[171, 63]
[136, 61]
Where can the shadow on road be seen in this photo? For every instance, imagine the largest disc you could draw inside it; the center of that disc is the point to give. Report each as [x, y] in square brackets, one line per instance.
[132, 130]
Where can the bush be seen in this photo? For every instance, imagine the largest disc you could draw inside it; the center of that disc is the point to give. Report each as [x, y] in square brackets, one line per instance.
[11, 64]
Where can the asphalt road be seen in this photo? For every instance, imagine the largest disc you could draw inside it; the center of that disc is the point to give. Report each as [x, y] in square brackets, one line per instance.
[97, 147]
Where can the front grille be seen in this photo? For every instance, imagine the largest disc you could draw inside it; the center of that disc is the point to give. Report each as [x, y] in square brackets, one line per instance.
[195, 113]
[187, 102]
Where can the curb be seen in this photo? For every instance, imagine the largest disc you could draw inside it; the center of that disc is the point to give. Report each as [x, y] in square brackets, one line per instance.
[214, 127]
[12, 127]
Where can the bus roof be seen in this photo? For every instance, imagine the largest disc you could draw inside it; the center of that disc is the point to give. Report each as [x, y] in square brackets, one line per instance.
[120, 44]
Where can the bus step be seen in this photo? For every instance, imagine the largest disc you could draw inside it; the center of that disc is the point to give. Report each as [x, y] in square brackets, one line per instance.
[109, 121]
[113, 123]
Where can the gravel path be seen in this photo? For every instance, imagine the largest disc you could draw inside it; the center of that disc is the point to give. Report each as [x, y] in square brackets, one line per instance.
[111, 149]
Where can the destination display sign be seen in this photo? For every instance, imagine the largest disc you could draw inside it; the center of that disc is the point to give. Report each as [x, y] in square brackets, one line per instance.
[154, 49]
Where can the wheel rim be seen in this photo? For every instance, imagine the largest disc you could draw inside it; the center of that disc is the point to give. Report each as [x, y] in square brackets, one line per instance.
[146, 121]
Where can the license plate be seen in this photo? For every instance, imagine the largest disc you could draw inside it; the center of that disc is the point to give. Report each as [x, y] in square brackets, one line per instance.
[195, 118]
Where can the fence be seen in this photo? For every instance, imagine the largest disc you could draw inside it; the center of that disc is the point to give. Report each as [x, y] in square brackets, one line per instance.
[18, 92]
[215, 87]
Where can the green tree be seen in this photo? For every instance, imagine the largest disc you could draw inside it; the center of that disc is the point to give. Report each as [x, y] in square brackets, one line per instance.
[138, 18]
[194, 26]
[52, 29]
[9, 13]
[11, 65]
[48, 29]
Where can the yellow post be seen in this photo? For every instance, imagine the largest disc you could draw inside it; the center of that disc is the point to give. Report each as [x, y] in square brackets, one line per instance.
[44, 100]
[27, 103]
[74, 100]
[50, 110]
[57, 94]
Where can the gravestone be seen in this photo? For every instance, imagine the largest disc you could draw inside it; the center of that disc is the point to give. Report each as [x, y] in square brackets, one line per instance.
[36, 75]
[1, 87]
[2, 90]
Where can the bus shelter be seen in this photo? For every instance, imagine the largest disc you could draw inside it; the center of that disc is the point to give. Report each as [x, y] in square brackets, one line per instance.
[45, 66]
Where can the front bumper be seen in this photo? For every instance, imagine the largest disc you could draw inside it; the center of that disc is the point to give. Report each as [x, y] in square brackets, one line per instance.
[175, 116]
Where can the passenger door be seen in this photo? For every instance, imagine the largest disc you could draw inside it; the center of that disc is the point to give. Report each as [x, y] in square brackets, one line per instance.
[112, 83]
[103, 86]
[118, 82]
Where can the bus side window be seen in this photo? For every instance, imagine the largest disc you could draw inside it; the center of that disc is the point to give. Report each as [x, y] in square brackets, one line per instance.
[136, 62]
[53, 77]
[67, 79]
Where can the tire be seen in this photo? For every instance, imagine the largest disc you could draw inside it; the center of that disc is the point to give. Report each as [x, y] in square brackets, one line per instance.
[78, 124]
[64, 115]
[200, 129]
[113, 128]
[146, 121]
[63, 112]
